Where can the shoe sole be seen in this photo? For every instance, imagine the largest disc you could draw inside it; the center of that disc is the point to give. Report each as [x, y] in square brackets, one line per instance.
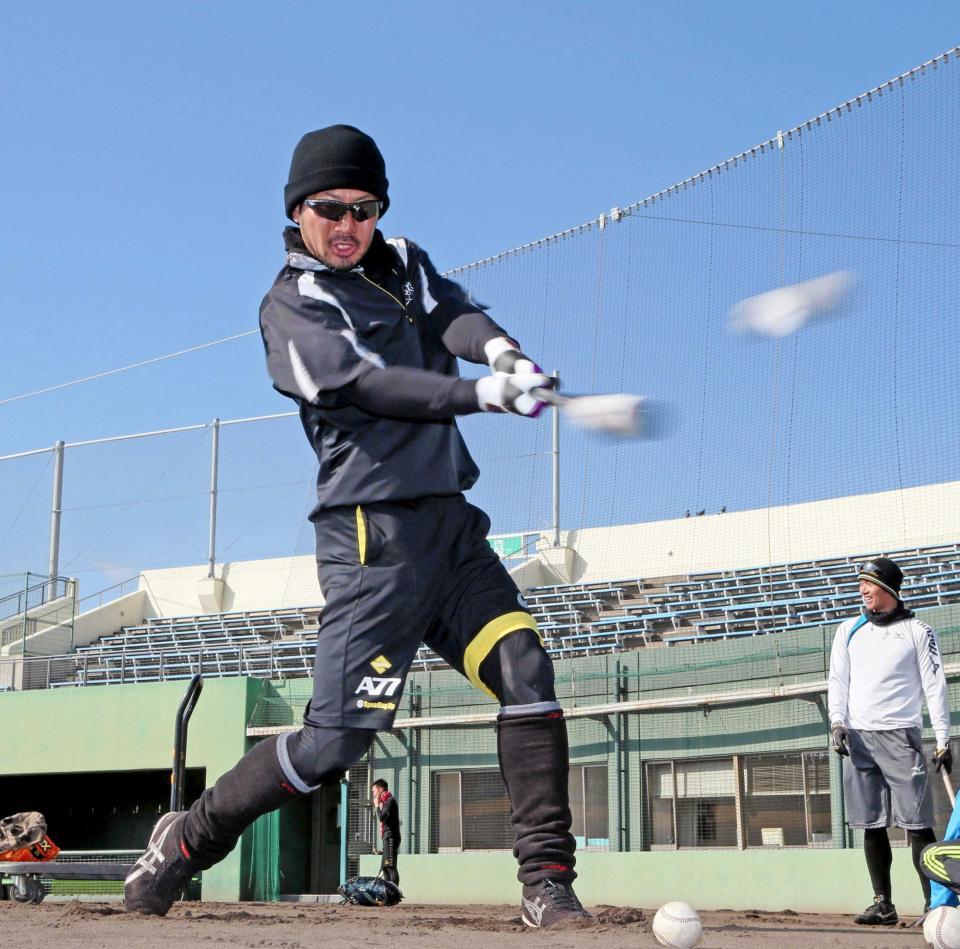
[559, 922]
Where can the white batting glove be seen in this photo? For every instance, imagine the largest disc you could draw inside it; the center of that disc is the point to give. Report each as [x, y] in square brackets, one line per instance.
[503, 392]
[503, 355]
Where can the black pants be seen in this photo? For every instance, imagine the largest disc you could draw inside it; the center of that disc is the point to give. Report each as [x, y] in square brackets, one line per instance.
[388, 862]
[395, 574]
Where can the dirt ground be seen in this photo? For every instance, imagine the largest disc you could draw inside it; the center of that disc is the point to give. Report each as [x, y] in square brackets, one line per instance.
[407, 926]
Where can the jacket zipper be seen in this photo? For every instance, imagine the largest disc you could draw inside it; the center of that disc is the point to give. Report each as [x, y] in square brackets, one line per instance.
[389, 294]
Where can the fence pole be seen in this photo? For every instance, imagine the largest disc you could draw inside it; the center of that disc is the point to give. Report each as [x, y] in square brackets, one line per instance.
[56, 510]
[214, 465]
[555, 452]
[26, 611]
[344, 814]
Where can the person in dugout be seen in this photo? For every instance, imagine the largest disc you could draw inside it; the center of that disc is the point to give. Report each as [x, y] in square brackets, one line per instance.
[389, 816]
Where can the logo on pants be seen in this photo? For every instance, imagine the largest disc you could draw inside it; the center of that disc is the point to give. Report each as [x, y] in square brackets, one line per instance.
[377, 687]
[372, 685]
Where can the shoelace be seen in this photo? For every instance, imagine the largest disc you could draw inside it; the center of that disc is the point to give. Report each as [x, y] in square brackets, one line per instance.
[558, 896]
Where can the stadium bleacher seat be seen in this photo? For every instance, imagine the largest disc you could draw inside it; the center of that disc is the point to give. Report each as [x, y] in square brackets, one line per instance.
[592, 617]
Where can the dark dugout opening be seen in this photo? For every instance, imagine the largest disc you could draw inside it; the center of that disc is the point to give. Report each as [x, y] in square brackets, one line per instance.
[97, 811]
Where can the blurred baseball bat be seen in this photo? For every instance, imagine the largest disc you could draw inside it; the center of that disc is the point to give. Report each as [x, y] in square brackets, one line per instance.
[629, 416]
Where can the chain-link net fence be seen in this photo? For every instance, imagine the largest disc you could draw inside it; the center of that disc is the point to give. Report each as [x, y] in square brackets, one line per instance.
[636, 300]
[716, 745]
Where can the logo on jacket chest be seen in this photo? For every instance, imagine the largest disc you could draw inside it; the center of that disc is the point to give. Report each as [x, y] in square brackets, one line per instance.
[407, 293]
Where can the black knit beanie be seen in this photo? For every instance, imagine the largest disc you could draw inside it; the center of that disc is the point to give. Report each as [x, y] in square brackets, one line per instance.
[339, 156]
[884, 573]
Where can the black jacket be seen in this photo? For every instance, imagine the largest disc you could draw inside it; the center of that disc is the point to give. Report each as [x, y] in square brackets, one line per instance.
[389, 816]
[369, 356]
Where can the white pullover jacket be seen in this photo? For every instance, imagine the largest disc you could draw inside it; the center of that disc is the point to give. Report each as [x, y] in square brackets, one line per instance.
[879, 675]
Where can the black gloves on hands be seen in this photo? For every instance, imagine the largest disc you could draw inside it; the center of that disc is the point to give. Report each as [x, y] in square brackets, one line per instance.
[943, 760]
[841, 741]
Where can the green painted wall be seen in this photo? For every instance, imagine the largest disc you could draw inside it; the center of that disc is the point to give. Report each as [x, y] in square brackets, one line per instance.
[130, 728]
[123, 728]
[627, 743]
[806, 881]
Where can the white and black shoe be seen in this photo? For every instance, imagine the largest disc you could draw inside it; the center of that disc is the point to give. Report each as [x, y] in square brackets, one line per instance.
[550, 903]
[159, 877]
[881, 912]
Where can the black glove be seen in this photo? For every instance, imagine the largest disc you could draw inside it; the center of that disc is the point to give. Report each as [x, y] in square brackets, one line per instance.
[841, 742]
[943, 760]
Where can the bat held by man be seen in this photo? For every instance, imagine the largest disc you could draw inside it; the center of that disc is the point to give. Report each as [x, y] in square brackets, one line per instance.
[620, 414]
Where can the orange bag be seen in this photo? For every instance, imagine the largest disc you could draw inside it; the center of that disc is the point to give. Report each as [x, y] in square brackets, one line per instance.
[24, 839]
[41, 851]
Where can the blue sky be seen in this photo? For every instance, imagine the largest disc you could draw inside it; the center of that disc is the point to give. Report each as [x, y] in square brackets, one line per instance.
[145, 150]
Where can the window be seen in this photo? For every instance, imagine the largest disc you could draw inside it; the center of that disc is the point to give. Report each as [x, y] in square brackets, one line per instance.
[778, 800]
[448, 830]
[660, 805]
[786, 799]
[705, 804]
[470, 810]
[485, 809]
[588, 805]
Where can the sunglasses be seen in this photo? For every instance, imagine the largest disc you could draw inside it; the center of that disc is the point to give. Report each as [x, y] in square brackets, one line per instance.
[337, 210]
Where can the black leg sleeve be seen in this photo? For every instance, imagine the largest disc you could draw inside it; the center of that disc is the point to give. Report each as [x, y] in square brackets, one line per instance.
[918, 840]
[518, 670]
[876, 848]
[534, 762]
[255, 785]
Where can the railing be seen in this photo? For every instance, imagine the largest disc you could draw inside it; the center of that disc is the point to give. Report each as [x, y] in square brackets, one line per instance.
[38, 609]
[31, 597]
[277, 660]
[513, 549]
[93, 889]
[107, 594]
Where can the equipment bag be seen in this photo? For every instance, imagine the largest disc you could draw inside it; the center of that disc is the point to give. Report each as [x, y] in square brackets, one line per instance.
[370, 891]
[23, 838]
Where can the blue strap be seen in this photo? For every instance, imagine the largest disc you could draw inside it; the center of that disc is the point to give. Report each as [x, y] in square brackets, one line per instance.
[864, 619]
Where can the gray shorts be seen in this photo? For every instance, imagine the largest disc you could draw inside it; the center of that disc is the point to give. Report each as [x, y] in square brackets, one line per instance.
[887, 768]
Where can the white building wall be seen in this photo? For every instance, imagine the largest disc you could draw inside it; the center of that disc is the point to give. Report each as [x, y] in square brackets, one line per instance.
[819, 530]
[247, 585]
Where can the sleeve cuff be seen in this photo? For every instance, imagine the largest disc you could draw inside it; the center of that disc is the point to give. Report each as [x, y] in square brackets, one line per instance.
[464, 397]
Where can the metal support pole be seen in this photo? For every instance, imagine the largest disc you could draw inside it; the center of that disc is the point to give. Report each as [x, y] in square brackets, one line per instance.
[613, 724]
[56, 509]
[214, 465]
[555, 451]
[343, 812]
[178, 774]
[26, 613]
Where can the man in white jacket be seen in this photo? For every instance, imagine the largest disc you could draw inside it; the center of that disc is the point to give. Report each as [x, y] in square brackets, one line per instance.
[883, 663]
